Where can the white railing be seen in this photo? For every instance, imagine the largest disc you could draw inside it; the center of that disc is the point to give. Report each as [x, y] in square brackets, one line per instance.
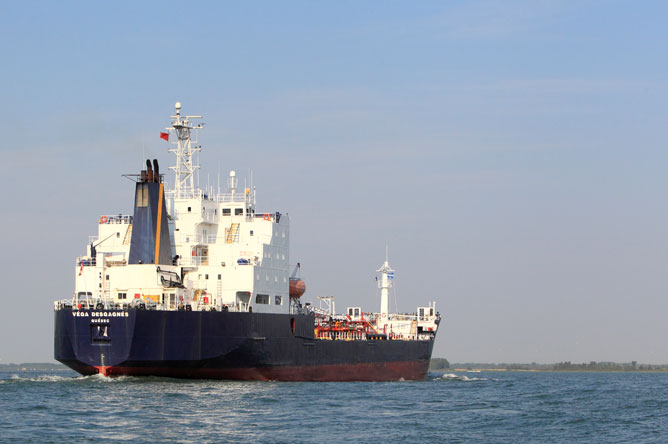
[229, 197]
[204, 215]
[97, 303]
[86, 261]
[115, 219]
[194, 261]
[200, 194]
[208, 239]
[197, 239]
[184, 194]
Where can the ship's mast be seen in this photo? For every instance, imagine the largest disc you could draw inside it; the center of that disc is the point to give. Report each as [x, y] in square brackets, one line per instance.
[184, 182]
[385, 282]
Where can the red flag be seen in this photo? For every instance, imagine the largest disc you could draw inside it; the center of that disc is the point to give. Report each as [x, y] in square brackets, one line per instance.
[81, 269]
[164, 136]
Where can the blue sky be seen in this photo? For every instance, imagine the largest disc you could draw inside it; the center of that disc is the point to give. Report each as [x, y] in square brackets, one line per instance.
[511, 153]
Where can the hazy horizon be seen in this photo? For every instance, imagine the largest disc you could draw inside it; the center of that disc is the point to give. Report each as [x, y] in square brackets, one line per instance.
[511, 154]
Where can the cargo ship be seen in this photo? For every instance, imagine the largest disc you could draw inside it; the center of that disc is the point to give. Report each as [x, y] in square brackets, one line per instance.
[197, 283]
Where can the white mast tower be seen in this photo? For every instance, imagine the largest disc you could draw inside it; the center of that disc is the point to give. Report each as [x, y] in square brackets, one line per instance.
[184, 185]
[385, 282]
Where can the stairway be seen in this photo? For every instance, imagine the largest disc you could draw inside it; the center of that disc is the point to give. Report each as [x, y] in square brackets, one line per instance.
[128, 235]
[233, 234]
[414, 328]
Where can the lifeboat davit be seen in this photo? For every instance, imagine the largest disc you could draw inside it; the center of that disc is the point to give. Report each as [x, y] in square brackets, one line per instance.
[297, 287]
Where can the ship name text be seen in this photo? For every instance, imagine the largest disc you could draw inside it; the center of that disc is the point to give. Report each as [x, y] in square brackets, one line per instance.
[99, 314]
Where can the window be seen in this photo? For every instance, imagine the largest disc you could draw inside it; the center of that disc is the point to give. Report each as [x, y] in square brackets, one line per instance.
[251, 232]
[262, 299]
[226, 211]
[189, 209]
[206, 276]
[107, 277]
[278, 300]
[238, 211]
[122, 295]
[219, 276]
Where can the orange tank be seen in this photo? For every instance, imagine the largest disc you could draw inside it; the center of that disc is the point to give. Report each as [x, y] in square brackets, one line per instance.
[297, 287]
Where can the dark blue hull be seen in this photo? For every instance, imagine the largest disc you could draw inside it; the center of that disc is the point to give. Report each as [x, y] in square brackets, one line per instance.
[226, 345]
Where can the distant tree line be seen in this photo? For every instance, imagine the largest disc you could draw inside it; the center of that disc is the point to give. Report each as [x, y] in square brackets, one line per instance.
[561, 366]
[439, 364]
[608, 366]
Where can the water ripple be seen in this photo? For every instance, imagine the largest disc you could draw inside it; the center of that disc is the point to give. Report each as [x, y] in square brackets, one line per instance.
[453, 407]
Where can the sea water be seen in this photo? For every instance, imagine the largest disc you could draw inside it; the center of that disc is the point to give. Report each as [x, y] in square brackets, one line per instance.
[494, 407]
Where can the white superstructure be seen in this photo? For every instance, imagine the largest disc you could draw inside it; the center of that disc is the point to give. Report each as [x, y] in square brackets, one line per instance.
[227, 256]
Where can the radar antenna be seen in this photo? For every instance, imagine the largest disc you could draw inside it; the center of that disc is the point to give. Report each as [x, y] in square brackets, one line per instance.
[184, 183]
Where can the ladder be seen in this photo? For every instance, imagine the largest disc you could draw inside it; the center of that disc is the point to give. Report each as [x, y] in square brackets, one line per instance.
[128, 235]
[233, 233]
[414, 327]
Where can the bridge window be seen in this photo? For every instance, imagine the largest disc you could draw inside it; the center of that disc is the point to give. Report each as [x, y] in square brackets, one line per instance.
[238, 211]
[279, 300]
[226, 212]
[262, 299]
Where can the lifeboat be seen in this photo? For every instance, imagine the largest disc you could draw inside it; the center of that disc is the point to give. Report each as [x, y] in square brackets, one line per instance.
[297, 287]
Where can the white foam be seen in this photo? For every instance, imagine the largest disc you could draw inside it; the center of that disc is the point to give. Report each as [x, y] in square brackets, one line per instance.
[454, 377]
[41, 378]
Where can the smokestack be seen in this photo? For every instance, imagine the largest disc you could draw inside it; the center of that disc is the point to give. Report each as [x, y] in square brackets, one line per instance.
[149, 170]
[150, 242]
